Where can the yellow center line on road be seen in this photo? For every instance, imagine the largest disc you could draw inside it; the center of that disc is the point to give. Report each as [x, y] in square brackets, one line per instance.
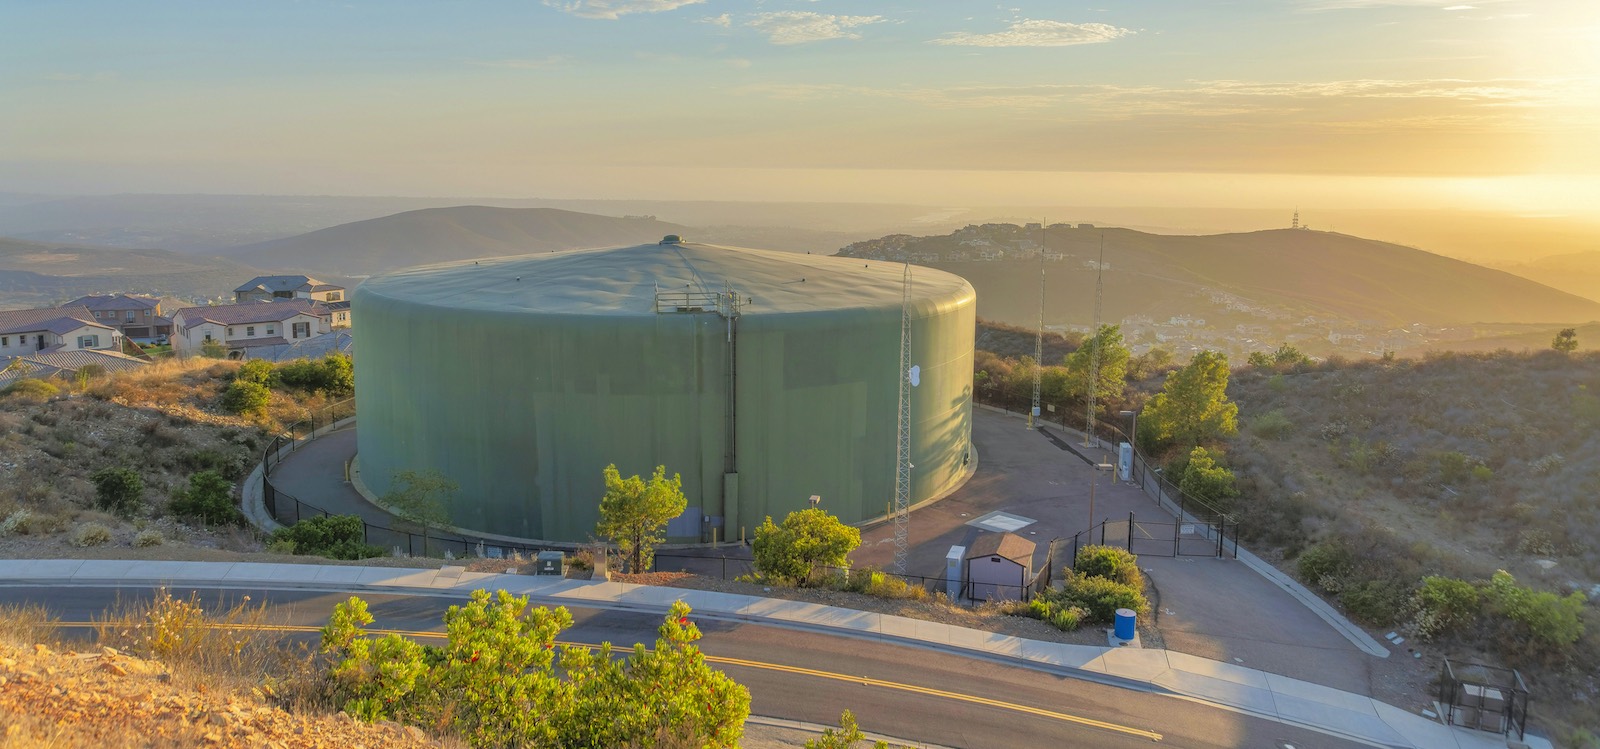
[863, 680]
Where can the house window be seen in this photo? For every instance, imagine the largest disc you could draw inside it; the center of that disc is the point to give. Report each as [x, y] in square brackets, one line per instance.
[230, 333]
[130, 315]
[301, 330]
[97, 313]
[250, 331]
[88, 341]
[147, 313]
[4, 341]
[271, 330]
[334, 296]
[208, 336]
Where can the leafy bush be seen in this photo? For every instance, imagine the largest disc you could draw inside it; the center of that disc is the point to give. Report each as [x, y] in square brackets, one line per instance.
[1098, 597]
[332, 536]
[806, 539]
[1205, 480]
[1443, 606]
[1111, 563]
[501, 680]
[1377, 601]
[1271, 425]
[31, 388]
[17, 523]
[1062, 616]
[333, 375]
[873, 582]
[92, 534]
[118, 490]
[245, 397]
[1326, 566]
[208, 499]
[1542, 617]
[258, 371]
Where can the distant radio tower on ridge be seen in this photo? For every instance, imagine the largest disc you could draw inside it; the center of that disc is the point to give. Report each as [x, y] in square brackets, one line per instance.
[1296, 223]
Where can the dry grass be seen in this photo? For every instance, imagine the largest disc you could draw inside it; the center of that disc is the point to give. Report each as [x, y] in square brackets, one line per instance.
[28, 623]
[227, 648]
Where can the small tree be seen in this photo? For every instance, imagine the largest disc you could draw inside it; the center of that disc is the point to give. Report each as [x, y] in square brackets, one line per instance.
[256, 370]
[632, 512]
[209, 499]
[421, 497]
[1206, 481]
[1566, 341]
[118, 490]
[1192, 406]
[212, 348]
[806, 539]
[1113, 365]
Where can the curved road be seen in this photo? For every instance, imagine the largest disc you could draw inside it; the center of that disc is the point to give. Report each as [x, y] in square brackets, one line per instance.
[916, 694]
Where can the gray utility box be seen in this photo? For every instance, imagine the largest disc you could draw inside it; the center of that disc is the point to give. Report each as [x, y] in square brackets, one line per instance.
[550, 563]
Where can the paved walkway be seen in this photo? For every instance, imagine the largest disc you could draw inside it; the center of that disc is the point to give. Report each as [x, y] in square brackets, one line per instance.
[1268, 695]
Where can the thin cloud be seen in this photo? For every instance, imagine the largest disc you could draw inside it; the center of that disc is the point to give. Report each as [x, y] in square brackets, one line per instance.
[722, 21]
[1038, 33]
[611, 10]
[1316, 5]
[802, 26]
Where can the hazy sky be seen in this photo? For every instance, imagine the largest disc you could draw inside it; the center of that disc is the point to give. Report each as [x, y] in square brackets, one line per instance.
[1337, 103]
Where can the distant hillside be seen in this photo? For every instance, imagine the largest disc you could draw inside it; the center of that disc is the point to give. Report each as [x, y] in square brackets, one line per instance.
[1235, 279]
[437, 235]
[1576, 272]
[36, 273]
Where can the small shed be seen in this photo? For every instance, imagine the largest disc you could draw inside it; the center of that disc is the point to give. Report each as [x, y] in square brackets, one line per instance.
[999, 567]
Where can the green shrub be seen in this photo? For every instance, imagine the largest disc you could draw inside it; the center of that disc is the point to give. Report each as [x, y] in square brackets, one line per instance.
[1542, 617]
[258, 371]
[333, 536]
[1379, 602]
[118, 490]
[244, 397]
[92, 534]
[1444, 606]
[873, 582]
[1111, 563]
[1271, 425]
[1064, 617]
[208, 499]
[1326, 566]
[31, 388]
[1098, 597]
[806, 539]
[334, 375]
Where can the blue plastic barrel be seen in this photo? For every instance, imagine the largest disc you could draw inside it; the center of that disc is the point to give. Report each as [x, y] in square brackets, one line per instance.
[1124, 629]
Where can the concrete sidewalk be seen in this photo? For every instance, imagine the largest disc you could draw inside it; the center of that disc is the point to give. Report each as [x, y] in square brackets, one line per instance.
[1291, 701]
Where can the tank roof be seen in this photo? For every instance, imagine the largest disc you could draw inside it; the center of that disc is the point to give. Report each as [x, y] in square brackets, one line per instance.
[627, 280]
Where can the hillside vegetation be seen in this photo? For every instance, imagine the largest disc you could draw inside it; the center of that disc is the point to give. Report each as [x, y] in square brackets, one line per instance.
[1400, 488]
[438, 235]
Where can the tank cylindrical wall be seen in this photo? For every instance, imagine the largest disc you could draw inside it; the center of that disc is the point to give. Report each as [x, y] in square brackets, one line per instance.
[524, 409]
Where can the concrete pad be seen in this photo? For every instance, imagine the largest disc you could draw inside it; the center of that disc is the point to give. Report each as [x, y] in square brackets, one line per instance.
[712, 602]
[486, 580]
[405, 578]
[1139, 665]
[1305, 690]
[759, 607]
[1218, 670]
[1365, 724]
[39, 569]
[1223, 691]
[847, 619]
[897, 626]
[651, 596]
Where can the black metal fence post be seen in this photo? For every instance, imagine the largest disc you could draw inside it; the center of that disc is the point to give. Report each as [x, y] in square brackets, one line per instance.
[1130, 532]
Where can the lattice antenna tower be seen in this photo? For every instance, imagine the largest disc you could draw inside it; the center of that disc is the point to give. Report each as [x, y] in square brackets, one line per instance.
[1038, 338]
[902, 476]
[1094, 352]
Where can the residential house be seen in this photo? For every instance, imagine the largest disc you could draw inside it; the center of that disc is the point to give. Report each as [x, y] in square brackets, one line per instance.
[137, 317]
[30, 331]
[241, 327]
[279, 288]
